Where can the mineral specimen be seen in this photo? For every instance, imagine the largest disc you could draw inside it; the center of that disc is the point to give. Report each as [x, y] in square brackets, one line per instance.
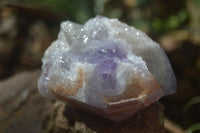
[106, 67]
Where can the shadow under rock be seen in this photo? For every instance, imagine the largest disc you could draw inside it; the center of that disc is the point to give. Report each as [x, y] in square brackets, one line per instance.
[149, 120]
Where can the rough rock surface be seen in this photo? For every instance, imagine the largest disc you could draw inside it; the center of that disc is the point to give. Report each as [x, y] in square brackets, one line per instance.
[23, 110]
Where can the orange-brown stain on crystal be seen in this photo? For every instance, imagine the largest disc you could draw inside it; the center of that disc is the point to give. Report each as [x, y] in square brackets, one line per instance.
[135, 95]
[73, 90]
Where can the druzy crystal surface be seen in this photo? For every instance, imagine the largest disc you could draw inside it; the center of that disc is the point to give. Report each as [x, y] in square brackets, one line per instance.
[107, 67]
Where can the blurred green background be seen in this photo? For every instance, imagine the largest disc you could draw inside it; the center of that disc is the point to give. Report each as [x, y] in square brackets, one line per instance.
[27, 27]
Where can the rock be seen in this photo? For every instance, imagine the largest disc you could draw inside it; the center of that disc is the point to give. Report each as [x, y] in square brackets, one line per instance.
[23, 110]
[8, 32]
[147, 121]
[21, 106]
[106, 67]
[35, 44]
[23, 39]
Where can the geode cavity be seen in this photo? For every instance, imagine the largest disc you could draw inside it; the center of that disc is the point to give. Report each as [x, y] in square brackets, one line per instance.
[106, 67]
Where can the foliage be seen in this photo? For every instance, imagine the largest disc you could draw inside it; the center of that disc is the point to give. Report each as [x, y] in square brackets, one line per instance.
[193, 128]
[190, 103]
[143, 14]
[77, 10]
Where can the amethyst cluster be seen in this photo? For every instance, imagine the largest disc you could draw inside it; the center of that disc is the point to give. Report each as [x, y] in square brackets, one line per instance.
[106, 67]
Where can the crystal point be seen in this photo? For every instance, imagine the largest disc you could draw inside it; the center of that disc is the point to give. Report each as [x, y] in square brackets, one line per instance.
[106, 67]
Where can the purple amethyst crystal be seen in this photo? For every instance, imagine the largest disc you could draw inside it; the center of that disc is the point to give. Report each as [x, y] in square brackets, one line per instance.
[106, 67]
